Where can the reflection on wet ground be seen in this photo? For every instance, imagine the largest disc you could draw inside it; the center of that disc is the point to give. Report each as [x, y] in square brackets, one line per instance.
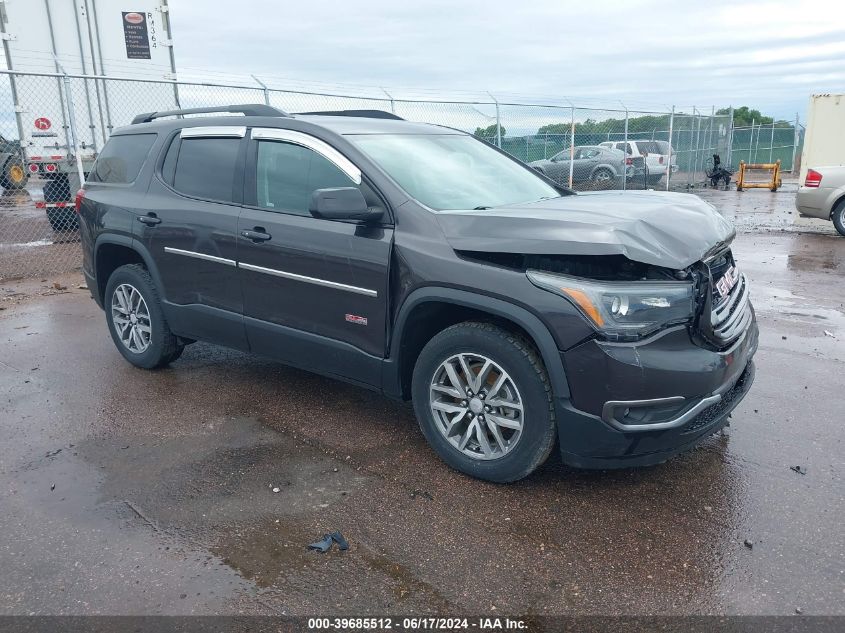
[126, 491]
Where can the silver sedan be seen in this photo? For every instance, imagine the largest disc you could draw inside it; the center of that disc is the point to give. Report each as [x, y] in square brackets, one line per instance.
[602, 166]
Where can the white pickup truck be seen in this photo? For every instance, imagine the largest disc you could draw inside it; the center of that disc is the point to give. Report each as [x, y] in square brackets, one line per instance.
[654, 153]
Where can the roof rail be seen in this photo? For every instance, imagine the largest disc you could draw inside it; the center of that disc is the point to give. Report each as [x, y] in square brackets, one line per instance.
[254, 109]
[369, 114]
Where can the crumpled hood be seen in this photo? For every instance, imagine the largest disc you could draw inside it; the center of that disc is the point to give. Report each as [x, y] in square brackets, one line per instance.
[673, 230]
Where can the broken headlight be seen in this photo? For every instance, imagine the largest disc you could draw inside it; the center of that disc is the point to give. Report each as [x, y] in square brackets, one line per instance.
[623, 310]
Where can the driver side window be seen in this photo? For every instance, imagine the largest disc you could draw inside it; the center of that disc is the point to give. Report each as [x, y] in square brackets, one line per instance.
[289, 173]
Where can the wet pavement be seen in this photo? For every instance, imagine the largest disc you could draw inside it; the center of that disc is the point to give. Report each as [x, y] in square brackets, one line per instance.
[126, 492]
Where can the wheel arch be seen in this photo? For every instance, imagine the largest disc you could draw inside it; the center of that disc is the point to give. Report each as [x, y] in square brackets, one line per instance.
[111, 252]
[606, 167]
[429, 310]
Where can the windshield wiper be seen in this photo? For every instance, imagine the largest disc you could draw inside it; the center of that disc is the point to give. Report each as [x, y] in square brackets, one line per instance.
[481, 208]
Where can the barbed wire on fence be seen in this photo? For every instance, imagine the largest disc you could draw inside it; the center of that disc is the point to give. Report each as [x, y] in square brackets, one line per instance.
[582, 147]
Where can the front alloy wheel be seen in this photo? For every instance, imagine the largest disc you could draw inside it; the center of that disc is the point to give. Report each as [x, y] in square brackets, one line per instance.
[476, 406]
[483, 400]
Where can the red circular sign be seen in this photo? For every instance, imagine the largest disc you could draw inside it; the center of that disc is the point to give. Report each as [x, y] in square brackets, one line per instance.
[42, 123]
[134, 18]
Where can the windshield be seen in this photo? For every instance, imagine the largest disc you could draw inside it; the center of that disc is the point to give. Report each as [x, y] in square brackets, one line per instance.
[451, 171]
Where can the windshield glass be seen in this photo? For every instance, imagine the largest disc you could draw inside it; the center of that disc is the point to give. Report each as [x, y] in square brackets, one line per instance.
[450, 171]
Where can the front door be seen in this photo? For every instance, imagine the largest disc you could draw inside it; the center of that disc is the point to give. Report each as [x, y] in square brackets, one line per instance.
[315, 290]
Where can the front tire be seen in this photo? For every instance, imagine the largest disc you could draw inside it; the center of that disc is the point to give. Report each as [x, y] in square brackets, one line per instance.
[838, 217]
[483, 401]
[14, 174]
[136, 321]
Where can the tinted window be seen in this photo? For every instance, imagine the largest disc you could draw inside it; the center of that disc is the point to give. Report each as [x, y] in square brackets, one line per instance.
[122, 158]
[288, 174]
[650, 147]
[205, 167]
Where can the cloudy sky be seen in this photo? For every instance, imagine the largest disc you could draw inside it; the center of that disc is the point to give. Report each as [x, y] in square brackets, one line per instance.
[643, 53]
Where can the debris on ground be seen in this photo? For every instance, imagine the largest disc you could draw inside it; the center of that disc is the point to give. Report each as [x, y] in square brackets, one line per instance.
[798, 469]
[276, 489]
[421, 493]
[830, 334]
[59, 286]
[82, 287]
[748, 543]
[798, 610]
[52, 487]
[325, 544]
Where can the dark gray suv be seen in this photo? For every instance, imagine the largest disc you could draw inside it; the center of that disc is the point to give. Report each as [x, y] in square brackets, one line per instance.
[425, 264]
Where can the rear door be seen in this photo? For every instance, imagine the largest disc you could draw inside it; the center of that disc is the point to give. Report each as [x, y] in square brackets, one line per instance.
[315, 290]
[190, 230]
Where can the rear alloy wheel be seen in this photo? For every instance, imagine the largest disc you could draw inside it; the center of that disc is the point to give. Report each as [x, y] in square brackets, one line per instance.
[136, 321]
[602, 178]
[483, 401]
[838, 217]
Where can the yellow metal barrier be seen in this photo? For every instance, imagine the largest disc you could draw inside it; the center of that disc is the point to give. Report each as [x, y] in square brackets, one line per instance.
[771, 185]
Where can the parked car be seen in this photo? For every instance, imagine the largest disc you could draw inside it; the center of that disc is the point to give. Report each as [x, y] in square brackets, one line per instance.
[654, 156]
[420, 262]
[823, 195]
[600, 165]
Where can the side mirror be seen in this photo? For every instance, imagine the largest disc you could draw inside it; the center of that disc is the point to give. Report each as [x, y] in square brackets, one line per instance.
[342, 203]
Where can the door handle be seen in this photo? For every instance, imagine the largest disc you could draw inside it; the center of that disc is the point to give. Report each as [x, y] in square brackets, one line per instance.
[257, 235]
[150, 219]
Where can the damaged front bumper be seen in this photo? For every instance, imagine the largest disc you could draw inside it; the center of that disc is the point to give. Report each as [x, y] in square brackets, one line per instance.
[640, 403]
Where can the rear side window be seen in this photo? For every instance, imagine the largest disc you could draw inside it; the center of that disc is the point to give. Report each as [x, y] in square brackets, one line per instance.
[121, 160]
[203, 167]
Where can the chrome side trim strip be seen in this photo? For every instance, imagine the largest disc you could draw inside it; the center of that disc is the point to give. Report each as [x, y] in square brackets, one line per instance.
[306, 140]
[218, 131]
[309, 280]
[194, 254]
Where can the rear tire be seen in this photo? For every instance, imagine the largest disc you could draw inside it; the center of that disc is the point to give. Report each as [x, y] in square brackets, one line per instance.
[506, 424]
[57, 189]
[838, 217]
[603, 178]
[63, 220]
[151, 344]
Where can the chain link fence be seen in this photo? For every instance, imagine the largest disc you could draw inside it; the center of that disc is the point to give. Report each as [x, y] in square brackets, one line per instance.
[52, 127]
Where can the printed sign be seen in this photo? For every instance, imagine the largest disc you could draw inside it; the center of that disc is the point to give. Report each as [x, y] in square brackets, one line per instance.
[136, 34]
[42, 123]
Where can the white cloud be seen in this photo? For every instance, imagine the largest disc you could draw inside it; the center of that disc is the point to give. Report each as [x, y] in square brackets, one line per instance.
[646, 53]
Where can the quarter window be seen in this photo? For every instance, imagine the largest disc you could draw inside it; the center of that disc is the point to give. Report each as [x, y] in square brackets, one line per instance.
[204, 167]
[288, 174]
[121, 160]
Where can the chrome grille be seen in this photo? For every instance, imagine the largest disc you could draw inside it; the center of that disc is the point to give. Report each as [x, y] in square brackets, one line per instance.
[732, 314]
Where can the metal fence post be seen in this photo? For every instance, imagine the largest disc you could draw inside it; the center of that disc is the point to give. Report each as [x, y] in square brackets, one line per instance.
[264, 88]
[794, 145]
[625, 177]
[730, 136]
[72, 120]
[572, 148]
[498, 123]
[751, 141]
[392, 102]
[772, 141]
[669, 164]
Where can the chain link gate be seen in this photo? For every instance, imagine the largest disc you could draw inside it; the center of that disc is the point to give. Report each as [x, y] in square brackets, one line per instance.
[53, 125]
